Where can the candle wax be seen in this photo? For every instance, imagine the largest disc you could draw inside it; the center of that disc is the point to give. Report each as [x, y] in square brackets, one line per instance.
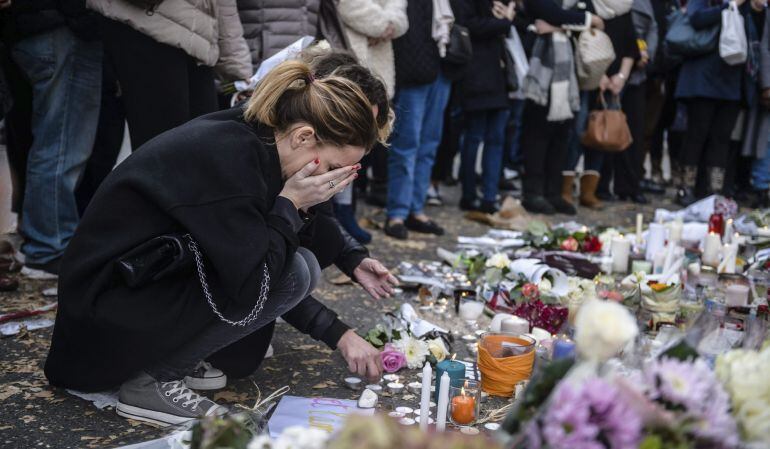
[463, 409]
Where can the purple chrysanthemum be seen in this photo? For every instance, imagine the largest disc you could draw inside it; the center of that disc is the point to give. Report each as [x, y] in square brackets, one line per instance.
[691, 389]
[593, 415]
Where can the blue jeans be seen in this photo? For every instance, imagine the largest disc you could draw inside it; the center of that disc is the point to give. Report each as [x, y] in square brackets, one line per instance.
[760, 172]
[593, 159]
[416, 135]
[66, 76]
[514, 144]
[488, 127]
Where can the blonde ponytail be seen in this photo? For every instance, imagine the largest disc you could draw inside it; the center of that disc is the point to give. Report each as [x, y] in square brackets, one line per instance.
[334, 106]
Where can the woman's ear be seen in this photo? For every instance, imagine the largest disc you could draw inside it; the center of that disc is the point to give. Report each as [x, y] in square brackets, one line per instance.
[303, 137]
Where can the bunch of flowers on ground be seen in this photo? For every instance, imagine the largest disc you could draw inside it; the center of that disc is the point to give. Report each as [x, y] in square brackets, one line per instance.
[401, 349]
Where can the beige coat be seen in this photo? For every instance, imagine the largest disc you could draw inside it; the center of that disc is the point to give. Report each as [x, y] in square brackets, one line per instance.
[208, 30]
[363, 19]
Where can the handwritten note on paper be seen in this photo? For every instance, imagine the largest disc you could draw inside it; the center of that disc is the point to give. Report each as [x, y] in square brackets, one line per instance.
[322, 413]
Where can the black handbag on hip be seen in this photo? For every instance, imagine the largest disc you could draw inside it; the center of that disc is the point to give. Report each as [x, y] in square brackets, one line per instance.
[460, 49]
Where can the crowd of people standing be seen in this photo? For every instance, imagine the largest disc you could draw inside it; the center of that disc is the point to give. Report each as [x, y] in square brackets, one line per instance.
[76, 72]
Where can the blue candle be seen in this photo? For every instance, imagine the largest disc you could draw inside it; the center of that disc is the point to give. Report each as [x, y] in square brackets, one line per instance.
[456, 371]
[563, 349]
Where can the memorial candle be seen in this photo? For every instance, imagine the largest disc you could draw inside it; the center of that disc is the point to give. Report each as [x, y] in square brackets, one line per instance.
[620, 250]
[443, 401]
[425, 396]
[712, 246]
[455, 370]
[639, 220]
[463, 408]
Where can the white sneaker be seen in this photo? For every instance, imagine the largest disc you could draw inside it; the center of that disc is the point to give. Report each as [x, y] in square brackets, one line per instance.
[433, 198]
[269, 353]
[509, 173]
[38, 275]
[206, 377]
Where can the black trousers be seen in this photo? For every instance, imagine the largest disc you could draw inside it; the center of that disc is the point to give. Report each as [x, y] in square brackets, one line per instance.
[18, 126]
[162, 86]
[545, 151]
[450, 138]
[709, 125]
[628, 166]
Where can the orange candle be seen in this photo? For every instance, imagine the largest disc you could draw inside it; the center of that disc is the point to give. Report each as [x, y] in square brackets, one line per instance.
[463, 408]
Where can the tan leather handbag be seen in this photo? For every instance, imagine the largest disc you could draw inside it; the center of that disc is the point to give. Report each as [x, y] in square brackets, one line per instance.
[607, 129]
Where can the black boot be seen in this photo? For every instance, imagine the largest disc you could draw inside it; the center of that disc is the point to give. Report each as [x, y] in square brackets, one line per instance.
[685, 194]
[716, 180]
[561, 206]
[537, 204]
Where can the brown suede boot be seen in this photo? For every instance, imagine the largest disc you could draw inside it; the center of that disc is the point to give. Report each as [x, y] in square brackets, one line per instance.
[588, 183]
[567, 184]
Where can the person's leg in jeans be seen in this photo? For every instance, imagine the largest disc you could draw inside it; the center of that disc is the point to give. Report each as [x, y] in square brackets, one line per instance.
[155, 100]
[475, 126]
[515, 155]
[760, 179]
[410, 105]
[160, 394]
[430, 137]
[492, 158]
[718, 149]
[700, 113]
[66, 76]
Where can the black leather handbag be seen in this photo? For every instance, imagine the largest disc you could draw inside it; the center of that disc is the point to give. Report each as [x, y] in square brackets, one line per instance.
[155, 259]
[460, 49]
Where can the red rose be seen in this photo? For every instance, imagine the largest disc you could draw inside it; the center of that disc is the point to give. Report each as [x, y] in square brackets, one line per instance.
[592, 244]
[570, 244]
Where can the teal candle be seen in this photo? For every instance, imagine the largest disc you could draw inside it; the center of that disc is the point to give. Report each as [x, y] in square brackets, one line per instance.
[456, 371]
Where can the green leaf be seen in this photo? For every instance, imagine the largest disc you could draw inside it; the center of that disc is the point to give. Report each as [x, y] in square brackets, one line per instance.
[652, 442]
[681, 351]
[537, 228]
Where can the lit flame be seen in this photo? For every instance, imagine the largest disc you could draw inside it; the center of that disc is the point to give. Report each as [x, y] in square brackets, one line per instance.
[462, 391]
[453, 357]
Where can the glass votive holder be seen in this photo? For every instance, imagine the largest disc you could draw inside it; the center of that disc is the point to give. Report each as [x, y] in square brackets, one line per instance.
[464, 402]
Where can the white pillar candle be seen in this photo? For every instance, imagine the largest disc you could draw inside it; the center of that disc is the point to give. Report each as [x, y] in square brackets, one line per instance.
[675, 231]
[659, 261]
[728, 235]
[712, 246]
[729, 255]
[737, 295]
[427, 380]
[639, 222]
[443, 402]
[515, 325]
[620, 250]
[656, 239]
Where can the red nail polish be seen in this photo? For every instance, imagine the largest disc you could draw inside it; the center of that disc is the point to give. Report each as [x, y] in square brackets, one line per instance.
[317, 161]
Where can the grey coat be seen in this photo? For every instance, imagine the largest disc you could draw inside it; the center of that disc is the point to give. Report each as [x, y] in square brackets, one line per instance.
[269, 26]
[646, 28]
[757, 126]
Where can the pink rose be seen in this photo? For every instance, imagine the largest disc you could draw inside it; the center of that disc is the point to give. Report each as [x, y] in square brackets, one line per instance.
[570, 244]
[392, 359]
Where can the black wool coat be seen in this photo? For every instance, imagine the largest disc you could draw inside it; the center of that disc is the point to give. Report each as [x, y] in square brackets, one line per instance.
[217, 178]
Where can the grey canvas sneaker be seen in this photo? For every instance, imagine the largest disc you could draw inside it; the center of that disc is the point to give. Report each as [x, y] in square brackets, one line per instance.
[165, 403]
[206, 377]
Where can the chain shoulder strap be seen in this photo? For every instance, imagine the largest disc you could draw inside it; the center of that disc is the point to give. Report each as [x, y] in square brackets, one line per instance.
[264, 288]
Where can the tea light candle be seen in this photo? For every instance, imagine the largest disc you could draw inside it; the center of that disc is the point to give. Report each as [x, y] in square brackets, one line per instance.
[641, 265]
[492, 426]
[396, 415]
[375, 388]
[405, 410]
[469, 430]
[395, 387]
[620, 250]
[391, 377]
[406, 421]
[414, 387]
[469, 338]
[712, 246]
[737, 295]
[354, 383]
[515, 325]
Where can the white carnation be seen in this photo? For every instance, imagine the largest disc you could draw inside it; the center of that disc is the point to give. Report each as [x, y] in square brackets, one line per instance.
[602, 329]
[415, 351]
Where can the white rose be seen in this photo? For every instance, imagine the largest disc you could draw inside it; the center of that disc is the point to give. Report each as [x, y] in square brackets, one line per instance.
[437, 349]
[544, 285]
[602, 328]
[498, 260]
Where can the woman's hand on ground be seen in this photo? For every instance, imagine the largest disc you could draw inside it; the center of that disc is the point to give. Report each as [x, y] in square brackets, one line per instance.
[305, 189]
[363, 358]
[375, 278]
